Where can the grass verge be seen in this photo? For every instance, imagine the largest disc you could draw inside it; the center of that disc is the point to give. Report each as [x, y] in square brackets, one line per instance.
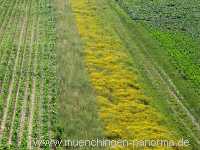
[77, 104]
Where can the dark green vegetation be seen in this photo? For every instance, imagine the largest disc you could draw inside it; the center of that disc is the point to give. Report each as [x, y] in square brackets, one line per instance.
[176, 15]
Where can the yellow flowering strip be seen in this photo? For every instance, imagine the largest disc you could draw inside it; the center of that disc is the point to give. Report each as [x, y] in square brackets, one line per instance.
[125, 111]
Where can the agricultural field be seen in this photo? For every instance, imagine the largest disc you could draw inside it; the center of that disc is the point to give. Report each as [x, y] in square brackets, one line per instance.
[175, 15]
[27, 72]
[87, 70]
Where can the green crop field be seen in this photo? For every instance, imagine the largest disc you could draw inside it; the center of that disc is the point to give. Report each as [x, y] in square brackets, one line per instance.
[28, 72]
[99, 74]
[175, 15]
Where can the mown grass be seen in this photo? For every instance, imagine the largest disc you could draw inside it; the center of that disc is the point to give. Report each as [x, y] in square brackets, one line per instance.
[124, 110]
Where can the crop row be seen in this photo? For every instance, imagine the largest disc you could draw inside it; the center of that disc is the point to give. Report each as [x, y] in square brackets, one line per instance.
[8, 51]
[28, 74]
